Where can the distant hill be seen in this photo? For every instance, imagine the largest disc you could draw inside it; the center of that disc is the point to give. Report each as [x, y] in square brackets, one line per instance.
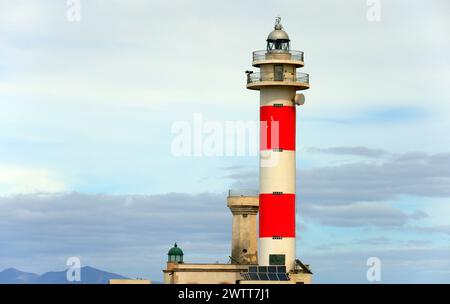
[14, 276]
[89, 275]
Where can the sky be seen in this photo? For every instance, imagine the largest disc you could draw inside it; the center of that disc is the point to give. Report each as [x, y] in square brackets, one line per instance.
[87, 116]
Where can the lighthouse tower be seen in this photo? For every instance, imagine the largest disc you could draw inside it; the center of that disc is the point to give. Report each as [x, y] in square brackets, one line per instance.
[278, 82]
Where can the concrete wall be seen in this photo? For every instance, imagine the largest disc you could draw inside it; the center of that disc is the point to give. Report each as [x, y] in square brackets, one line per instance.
[305, 278]
[201, 278]
[202, 273]
[244, 242]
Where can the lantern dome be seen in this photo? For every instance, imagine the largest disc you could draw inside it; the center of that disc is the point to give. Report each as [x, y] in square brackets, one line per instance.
[278, 39]
[175, 254]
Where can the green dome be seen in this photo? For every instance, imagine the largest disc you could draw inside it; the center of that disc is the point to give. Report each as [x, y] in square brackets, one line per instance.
[175, 254]
[175, 250]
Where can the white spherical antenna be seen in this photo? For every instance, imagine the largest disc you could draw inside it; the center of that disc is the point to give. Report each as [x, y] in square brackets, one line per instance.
[299, 99]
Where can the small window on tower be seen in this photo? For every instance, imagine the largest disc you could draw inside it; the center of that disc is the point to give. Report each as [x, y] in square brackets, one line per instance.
[277, 259]
[278, 72]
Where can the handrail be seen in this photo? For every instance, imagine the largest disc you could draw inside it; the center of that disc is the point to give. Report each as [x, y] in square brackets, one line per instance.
[262, 55]
[242, 192]
[258, 77]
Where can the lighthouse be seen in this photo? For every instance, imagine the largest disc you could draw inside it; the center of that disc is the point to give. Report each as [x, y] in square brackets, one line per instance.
[278, 81]
[275, 262]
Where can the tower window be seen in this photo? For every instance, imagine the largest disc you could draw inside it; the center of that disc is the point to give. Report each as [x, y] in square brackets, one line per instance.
[277, 259]
[244, 215]
[278, 72]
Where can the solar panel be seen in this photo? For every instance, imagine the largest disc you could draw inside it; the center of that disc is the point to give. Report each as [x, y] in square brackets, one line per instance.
[272, 269]
[252, 269]
[262, 269]
[266, 273]
[281, 269]
[254, 276]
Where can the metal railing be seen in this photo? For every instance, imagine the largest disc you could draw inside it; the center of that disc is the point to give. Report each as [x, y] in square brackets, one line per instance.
[258, 77]
[261, 55]
[242, 192]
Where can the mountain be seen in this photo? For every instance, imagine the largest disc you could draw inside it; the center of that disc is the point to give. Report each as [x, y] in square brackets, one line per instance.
[14, 276]
[89, 275]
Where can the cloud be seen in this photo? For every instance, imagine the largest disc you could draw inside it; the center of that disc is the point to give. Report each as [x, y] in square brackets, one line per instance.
[359, 193]
[356, 151]
[399, 264]
[445, 229]
[15, 179]
[128, 234]
[359, 214]
[426, 176]
[381, 240]
[419, 215]
[407, 174]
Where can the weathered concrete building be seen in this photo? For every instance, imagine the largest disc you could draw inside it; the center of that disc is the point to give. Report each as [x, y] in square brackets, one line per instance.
[244, 252]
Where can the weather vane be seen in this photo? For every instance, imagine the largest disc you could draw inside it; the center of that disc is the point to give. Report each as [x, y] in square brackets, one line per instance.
[278, 22]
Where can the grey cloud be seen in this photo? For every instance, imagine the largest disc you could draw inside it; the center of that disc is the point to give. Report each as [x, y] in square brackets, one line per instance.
[445, 229]
[399, 264]
[374, 242]
[418, 243]
[132, 233]
[359, 214]
[418, 215]
[356, 151]
[415, 174]
[356, 194]
[382, 240]
[427, 176]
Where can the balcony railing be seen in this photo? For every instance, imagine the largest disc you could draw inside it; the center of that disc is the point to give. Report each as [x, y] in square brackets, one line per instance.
[242, 192]
[261, 55]
[258, 77]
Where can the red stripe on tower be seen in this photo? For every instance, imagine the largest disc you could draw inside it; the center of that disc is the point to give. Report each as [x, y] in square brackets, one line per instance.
[277, 215]
[285, 117]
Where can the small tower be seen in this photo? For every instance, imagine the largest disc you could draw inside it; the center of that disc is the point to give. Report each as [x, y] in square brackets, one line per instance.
[244, 244]
[175, 254]
[277, 81]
